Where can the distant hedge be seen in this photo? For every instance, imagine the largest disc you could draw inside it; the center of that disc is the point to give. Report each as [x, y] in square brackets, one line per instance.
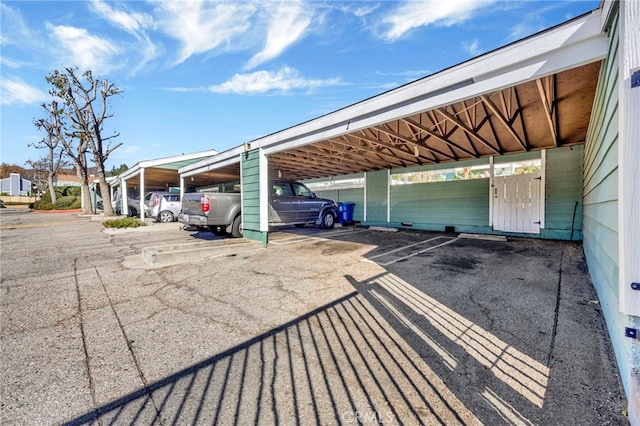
[68, 198]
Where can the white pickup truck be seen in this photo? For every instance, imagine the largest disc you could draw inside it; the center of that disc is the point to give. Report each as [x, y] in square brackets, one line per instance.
[290, 203]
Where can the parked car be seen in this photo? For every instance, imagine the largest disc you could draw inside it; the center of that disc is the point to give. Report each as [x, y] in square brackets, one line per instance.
[162, 206]
[133, 204]
[289, 203]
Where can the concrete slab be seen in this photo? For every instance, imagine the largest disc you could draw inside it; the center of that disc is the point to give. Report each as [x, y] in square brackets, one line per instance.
[468, 332]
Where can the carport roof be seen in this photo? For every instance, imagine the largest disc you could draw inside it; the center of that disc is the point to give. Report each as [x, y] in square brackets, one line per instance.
[162, 172]
[536, 93]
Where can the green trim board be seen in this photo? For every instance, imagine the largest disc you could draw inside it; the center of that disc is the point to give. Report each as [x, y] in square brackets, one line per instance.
[250, 177]
[262, 237]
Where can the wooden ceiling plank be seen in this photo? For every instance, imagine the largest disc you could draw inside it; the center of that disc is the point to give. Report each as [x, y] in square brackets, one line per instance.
[496, 111]
[394, 160]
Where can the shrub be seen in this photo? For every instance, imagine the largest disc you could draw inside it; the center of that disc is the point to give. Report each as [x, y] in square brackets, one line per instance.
[73, 190]
[43, 205]
[66, 202]
[125, 222]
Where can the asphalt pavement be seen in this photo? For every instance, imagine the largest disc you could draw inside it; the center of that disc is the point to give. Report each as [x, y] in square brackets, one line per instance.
[348, 326]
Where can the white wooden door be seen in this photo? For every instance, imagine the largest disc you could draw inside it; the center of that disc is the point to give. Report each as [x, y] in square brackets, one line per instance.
[517, 203]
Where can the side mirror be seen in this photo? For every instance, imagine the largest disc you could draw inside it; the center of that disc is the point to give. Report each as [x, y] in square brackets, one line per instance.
[313, 195]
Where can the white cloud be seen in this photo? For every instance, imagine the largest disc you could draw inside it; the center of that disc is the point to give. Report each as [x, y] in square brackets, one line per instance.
[14, 29]
[415, 14]
[287, 23]
[130, 22]
[203, 26]
[472, 47]
[17, 92]
[284, 80]
[133, 23]
[86, 51]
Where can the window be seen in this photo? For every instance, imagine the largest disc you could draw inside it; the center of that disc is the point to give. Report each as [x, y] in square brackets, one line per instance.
[518, 168]
[301, 190]
[281, 190]
[442, 175]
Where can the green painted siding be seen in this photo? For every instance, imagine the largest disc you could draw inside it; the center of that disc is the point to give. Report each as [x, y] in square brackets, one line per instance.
[250, 169]
[376, 183]
[600, 198]
[563, 193]
[350, 195]
[463, 204]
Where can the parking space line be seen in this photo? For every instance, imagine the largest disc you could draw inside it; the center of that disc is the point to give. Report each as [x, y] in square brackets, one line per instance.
[403, 248]
[302, 238]
[420, 252]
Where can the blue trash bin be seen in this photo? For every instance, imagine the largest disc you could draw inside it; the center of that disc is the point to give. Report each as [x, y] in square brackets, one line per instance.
[345, 212]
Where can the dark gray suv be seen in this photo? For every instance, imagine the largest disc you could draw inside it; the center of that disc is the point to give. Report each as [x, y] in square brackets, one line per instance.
[292, 202]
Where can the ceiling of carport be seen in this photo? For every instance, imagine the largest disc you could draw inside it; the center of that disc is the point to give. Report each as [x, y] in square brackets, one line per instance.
[546, 113]
[230, 173]
[162, 176]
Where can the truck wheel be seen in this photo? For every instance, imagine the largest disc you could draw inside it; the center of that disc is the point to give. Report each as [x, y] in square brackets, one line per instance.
[328, 220]
[236, 227]
[165, 217]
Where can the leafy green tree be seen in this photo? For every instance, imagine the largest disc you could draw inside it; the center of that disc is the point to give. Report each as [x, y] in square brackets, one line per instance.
[115, 171]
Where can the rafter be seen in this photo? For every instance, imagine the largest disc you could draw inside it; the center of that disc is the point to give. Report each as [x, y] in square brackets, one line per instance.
[496, 111]
[471, 132]
[548, 99]
[402, 155]
[446, 141]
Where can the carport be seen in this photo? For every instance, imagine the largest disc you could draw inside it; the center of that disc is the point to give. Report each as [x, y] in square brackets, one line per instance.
[532, 99]
[569, 96]
[159, 174]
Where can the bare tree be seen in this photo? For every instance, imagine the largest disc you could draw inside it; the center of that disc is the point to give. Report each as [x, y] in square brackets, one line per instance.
[74, 148]
[88, 107]
[55, 160]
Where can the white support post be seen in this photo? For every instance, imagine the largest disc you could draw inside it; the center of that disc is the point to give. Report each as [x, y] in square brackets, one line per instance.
[543, 185]
[491, 191]
[388, 195]
[181, 187]
[124, 209]
[364, 217]
[141, 214]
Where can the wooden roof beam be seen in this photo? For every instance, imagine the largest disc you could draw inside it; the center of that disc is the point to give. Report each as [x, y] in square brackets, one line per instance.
[386, 158]
[400, 154]
[406, 141]
[496, 111]
[449, 143]
[548, 98]
[339, 156]
[471, 132]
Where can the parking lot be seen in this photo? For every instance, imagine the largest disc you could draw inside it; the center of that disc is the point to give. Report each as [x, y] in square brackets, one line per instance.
[345, 326]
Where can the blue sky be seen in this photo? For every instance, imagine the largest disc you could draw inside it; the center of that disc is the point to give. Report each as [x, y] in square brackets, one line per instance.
[201, 75]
